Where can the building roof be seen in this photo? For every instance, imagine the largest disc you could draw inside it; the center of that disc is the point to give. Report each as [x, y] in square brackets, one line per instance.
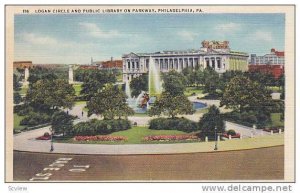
[186, 52]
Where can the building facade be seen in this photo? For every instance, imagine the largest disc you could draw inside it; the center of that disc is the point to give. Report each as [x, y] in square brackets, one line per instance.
[214, 54]
[273, 58]
[272, 63]
[22, 64]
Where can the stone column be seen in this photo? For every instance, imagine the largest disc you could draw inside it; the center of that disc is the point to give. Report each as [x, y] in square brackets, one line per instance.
[26, 76]
[71, 76]
[168, 64]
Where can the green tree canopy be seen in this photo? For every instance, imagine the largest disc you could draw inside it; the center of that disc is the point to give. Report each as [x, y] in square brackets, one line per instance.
[61, 122]
[211, 120]
[109, 102]
[171, 105]
[94, 81]
[174, 83]
[211, 81]
[243, 94]
[51, 94]
[139, 84]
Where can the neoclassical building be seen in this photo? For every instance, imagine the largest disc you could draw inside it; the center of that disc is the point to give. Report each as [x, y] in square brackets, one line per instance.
[215, 54]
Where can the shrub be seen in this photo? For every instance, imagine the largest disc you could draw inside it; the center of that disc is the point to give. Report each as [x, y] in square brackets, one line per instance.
[180, 124]
[231, 132]
[33, 119]
[100, 127]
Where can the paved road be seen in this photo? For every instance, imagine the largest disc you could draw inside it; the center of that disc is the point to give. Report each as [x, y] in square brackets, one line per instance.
[255, 164]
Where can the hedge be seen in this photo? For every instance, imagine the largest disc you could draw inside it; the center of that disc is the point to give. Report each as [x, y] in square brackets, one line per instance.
[180, 124]
[100, 127]
[33, 119]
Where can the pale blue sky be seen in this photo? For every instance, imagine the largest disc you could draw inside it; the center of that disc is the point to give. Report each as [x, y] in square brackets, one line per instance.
[77, 38]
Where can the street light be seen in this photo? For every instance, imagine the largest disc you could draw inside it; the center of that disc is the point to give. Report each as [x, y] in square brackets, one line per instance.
[216, 140]
[52, 147]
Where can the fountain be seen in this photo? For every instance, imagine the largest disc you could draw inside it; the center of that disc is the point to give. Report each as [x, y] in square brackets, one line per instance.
[154, 80]
[127, 90]
[144, 100]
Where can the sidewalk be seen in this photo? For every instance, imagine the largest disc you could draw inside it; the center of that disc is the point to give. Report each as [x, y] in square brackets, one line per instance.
[26, 142]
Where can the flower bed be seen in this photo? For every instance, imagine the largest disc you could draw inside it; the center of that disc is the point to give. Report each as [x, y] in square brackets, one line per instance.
[100, 138]
[274, 129]
[43, 138]
[170, 137]
[237, 135]
[46, 136]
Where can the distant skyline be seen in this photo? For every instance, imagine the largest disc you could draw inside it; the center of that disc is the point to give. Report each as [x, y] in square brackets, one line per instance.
[67, 39]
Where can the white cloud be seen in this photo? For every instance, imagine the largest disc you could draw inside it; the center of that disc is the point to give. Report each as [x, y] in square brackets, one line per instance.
[263, 36]
[188, 35]
[93, 30]
[228, 27]
[38, 39]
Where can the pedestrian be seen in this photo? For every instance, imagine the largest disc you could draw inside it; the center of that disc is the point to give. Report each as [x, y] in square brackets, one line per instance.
[67, 112]
[82, 113]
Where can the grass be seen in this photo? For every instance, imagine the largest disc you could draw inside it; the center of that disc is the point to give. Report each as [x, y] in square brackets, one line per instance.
[190, 90]
[249, 143]
[17, 120]
[77, 88]
[135, 135]
[23, 90]
[120, 77]
[276, 122]
[274, 88]
[80, 102]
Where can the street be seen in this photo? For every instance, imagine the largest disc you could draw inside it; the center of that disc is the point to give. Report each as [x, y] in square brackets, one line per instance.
[255, 164]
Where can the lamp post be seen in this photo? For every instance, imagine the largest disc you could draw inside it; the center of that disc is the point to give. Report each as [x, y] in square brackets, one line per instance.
[51, 147]
[216, 140]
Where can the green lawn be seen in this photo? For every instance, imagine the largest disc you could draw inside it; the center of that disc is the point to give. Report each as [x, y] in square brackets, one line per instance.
[276, 122]
[23, 90]
[136, 134]
[120, 77]
[80, 102]
[77, 88]
[274, 88]
[190, 90]
[17, 120]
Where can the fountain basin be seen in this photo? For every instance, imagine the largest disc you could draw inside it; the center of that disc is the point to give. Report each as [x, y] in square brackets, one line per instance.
[132, 103]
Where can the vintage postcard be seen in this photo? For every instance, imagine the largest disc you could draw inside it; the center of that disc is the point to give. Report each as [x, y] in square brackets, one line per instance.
[153, 93]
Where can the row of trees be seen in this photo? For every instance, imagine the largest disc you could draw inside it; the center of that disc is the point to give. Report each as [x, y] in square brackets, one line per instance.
[214, 84]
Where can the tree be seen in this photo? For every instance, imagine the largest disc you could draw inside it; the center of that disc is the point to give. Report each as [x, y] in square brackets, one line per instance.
[16, 87]
[109, 102]
[174, 83]
[226, 77]
[211, 120]
[16, 82]
[211, 81]
[281, 84]
[190, 75]
[39, 73]
[17, 98]
[171, 105]
[50, 94]
[139, 84]
[94, 81]
[242, 94]
[62, 123]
